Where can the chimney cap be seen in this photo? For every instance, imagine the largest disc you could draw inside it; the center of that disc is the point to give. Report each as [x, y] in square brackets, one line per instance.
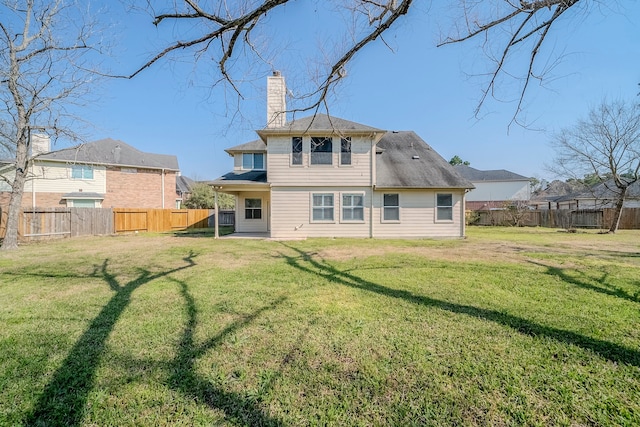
[276, 73]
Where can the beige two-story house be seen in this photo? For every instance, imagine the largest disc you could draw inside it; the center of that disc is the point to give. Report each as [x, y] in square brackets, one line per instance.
[323, 176]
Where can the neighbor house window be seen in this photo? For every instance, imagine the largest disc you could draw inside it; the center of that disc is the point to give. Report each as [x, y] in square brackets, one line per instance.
[353, 207]
[81, 172]
[252, 208]
[321, 151]
[322, 207]
[251, 161]
[444, 207]
[296, 150]
[345, 151]
[391, 207]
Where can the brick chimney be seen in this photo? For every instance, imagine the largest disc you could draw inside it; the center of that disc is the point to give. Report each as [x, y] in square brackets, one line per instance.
[276, 103]
[40, 144]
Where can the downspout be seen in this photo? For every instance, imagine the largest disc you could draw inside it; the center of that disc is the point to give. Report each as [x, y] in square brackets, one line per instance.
[33, 187]
[463, 222]
[162, 175]
[373, 184]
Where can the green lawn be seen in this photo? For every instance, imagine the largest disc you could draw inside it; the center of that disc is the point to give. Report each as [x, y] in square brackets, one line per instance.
[507, 327]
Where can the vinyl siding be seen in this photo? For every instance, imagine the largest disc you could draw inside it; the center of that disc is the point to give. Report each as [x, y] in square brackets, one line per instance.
[417, 215]
[498, 191]
[291, 213]
[252, 225]
[56, 178]
[282, 173]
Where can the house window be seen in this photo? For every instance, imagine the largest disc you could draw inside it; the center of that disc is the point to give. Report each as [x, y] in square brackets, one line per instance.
[322, 207]
[296, 150]
[444, 207]
[252, 208]
[345, 151]
[391, 207]
[321, 151]
[253, 161]
[83, 203]
[81, 172]
[353, 207]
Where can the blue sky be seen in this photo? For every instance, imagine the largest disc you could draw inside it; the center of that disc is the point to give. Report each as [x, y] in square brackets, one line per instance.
[171, 109]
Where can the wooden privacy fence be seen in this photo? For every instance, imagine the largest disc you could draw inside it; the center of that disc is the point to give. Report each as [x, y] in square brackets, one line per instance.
[558, 218]
[37, 224]
[64, 222]
[128, 219]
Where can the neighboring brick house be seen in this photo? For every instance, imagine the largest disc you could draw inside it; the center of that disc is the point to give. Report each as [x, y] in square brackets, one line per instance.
[325, 176]
[105, 173]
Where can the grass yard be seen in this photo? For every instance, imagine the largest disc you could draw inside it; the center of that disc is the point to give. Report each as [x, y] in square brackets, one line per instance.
[507, 327]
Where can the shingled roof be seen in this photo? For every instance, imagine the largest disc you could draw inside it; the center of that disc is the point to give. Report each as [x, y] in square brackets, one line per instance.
[244, 177]
[112, 152]
[319, 123]
[603, 191]
[476, 175]
[256, 146]
[404, 160]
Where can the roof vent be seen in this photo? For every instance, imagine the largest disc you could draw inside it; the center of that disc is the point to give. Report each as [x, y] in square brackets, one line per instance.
[415, 157]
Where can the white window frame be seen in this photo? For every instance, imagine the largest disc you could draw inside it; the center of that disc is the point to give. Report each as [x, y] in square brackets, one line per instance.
[84, 172]
[385, 207]
[442, 206]
[352, 207]
[253, 161]
[323, 207]
[301, 151]
[329, 153]
[342, 141]
[246, 209]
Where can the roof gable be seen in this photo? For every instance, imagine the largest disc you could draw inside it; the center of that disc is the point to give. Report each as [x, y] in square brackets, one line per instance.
[253, 146]
[404, 160]
[112, 152]
[319, 124]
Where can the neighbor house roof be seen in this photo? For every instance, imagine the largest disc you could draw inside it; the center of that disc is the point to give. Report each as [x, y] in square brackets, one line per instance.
[476, 175]
[319, 123]
[184, 184]
[404, 160]
[112, 152]
[83, 195]
[257, 145]
[604, 191]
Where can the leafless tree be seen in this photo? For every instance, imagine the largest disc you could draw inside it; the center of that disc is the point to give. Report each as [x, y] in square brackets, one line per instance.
[225, 30]
[504, 26]
[46, 48]
[606, 144]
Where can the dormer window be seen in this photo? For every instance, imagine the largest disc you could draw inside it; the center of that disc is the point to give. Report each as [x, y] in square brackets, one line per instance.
[253, 161]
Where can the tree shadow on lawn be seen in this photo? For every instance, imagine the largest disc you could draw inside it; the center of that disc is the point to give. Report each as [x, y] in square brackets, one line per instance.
[610, 351]
[63, 399]
[237, 407]
[606, 288]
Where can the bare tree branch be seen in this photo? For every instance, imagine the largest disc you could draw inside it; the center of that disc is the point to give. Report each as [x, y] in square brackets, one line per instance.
[523, 21]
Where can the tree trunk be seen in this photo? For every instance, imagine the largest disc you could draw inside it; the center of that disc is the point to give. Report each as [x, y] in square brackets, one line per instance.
[617, 213]
[10, 240]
